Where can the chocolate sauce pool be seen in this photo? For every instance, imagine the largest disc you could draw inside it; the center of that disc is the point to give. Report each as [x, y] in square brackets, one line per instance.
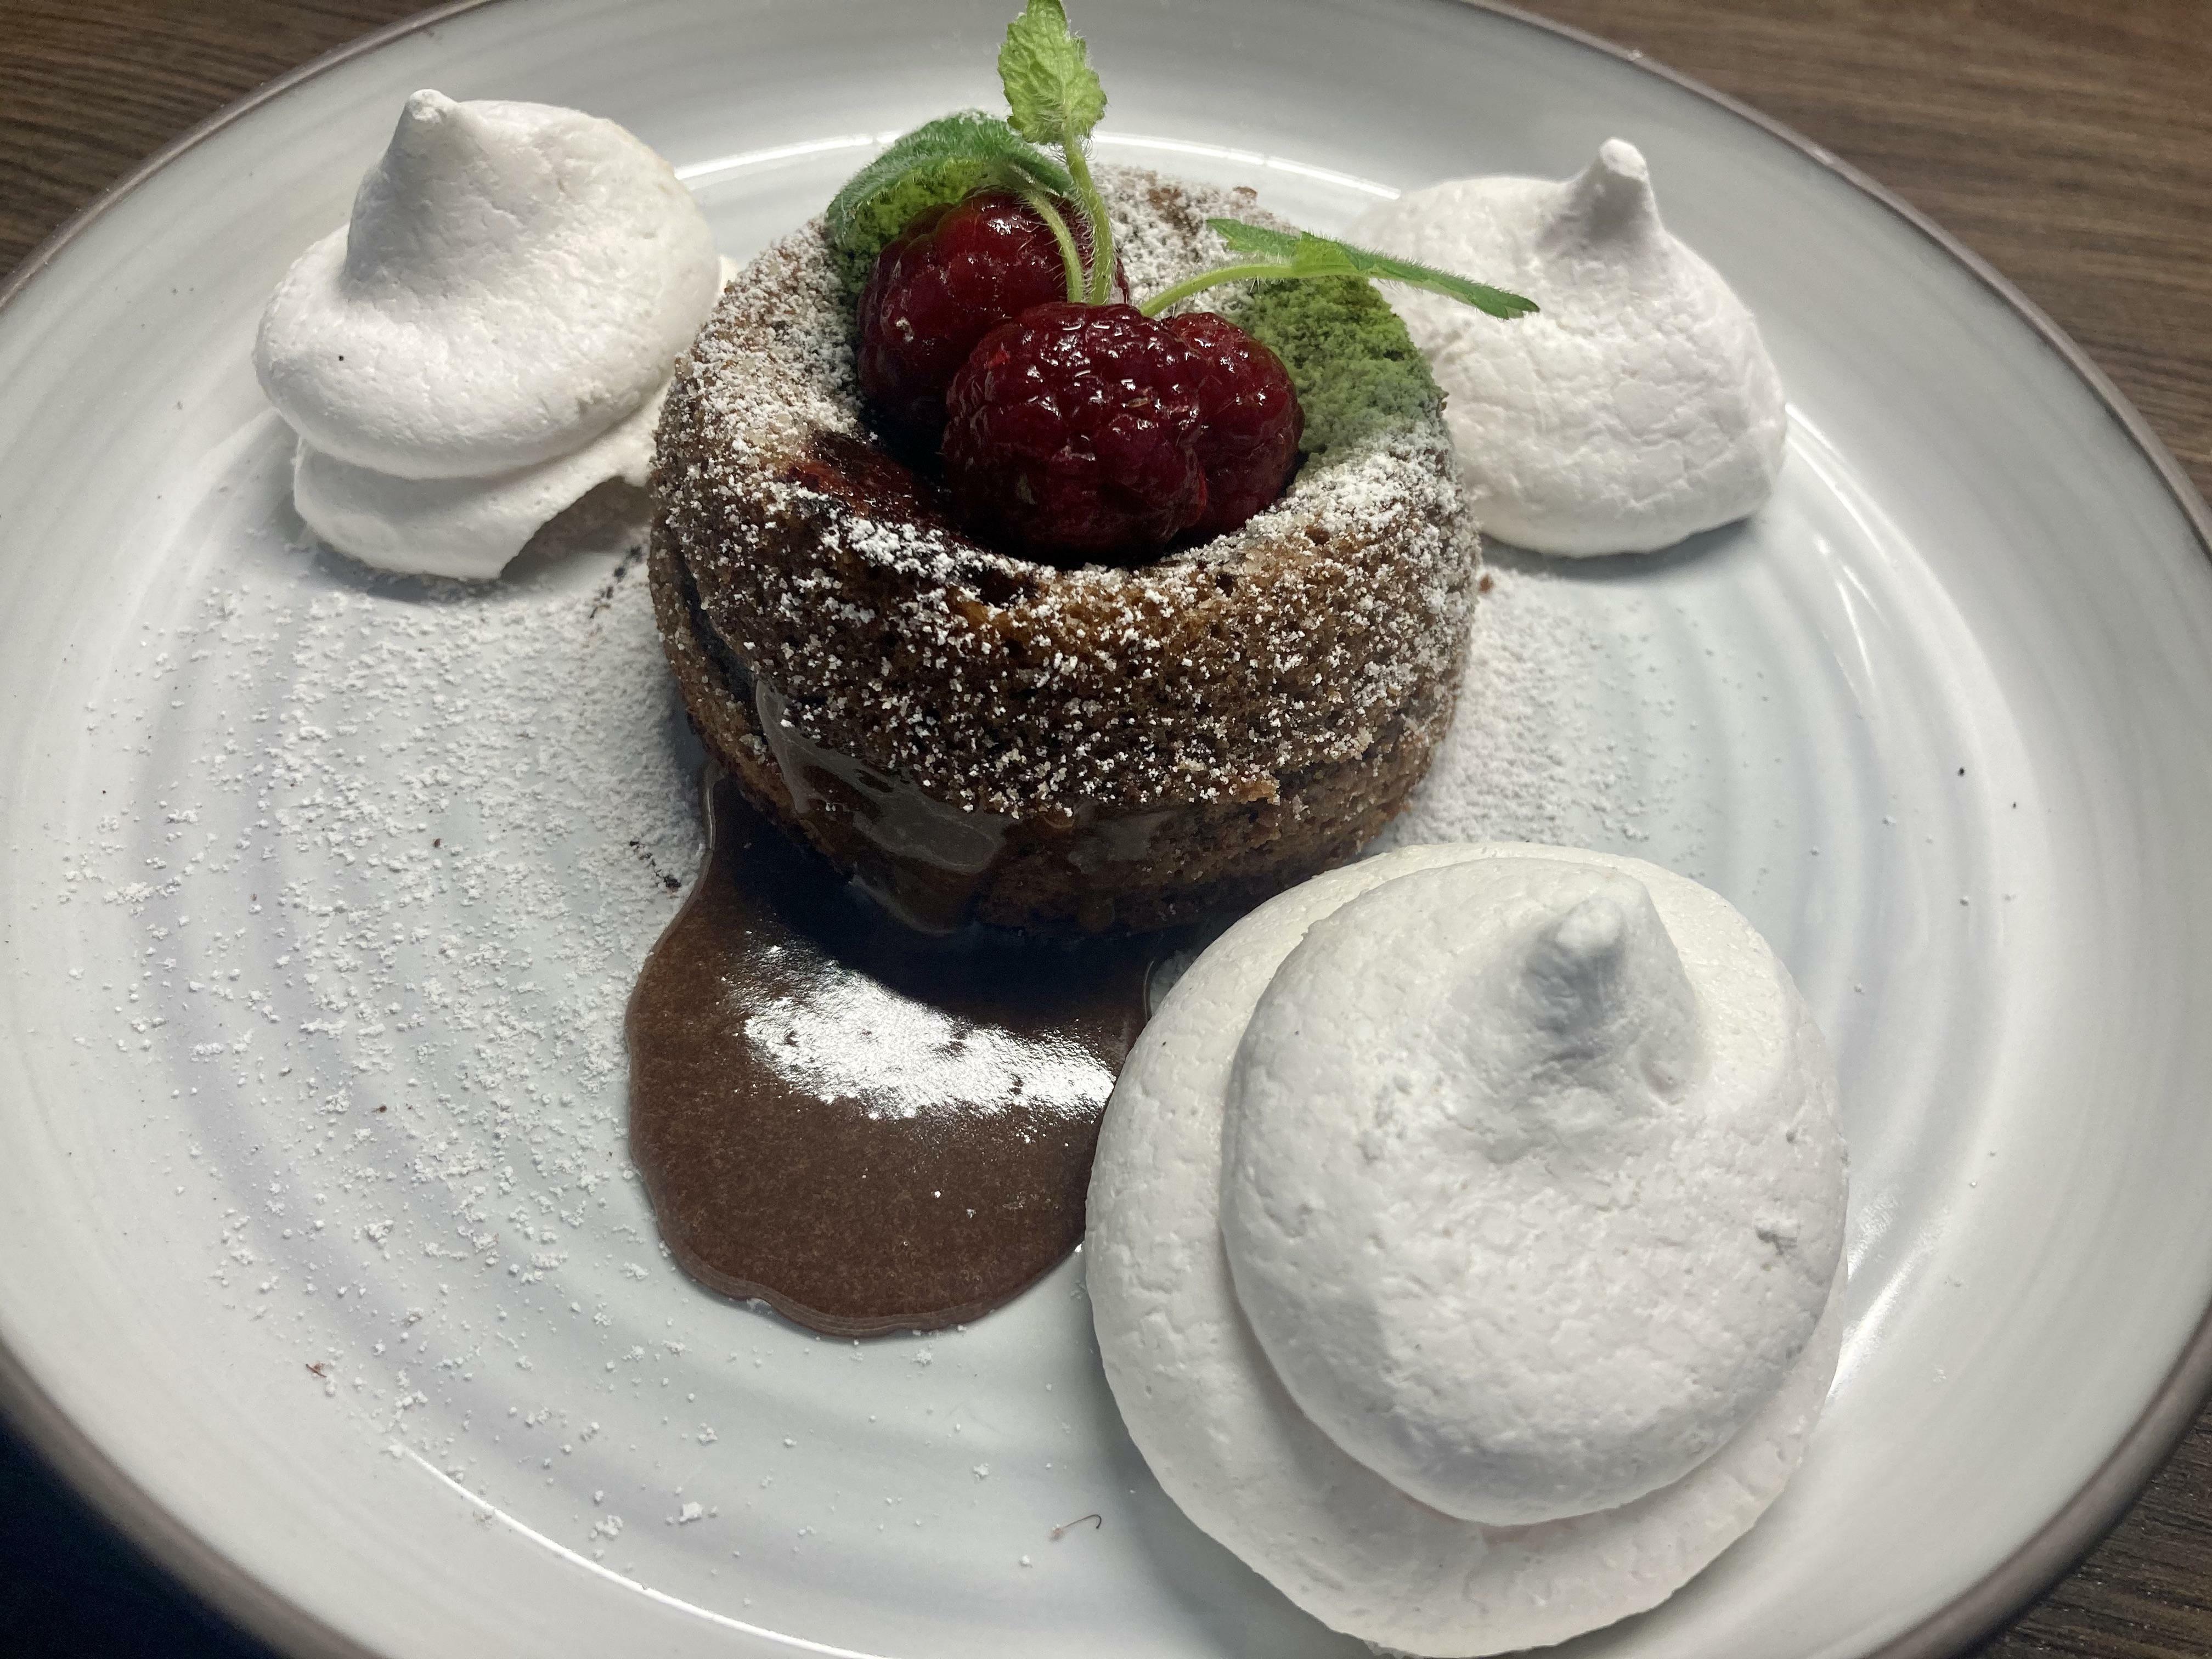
[869, 1128]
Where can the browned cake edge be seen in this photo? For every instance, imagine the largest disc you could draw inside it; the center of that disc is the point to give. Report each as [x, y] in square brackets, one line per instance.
[1178, 864]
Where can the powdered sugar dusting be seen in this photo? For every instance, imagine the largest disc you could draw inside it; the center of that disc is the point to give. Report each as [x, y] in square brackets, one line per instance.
[415, 839]
[1527, 758]
[373, 897]
[859, 1040]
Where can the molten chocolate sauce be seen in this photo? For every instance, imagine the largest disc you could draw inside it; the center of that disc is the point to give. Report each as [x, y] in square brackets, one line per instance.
[867, 1127]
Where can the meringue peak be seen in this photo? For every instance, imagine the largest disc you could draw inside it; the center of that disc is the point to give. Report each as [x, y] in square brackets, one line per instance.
[1605, 997]
[1609, 200]
[441, 172]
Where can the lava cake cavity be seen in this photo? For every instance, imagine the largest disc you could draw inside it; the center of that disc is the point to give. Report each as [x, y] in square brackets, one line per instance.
[975, 737]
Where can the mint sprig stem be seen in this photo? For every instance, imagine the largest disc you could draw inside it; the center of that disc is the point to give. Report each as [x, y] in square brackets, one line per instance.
[1093, 203]
[1071, 256]
[1054, 97]
[1176, 295]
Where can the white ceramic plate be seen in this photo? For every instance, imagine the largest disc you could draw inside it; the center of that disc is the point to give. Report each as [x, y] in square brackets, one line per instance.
[320, 1264]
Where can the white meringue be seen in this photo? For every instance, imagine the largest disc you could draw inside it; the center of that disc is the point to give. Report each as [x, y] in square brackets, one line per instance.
[487, 337]
[1637, 407]
[516, 278]
[466, 528]
[1696, 1010]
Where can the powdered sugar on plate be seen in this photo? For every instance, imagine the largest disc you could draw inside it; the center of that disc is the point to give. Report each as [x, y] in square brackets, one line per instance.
[415, 839]
[1528, 756]
[364, 907]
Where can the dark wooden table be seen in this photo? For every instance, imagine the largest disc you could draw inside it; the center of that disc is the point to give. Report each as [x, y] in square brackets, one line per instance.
[2069, 142]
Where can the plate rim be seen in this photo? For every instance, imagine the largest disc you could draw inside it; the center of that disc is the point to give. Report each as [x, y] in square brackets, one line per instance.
[2063, 1538]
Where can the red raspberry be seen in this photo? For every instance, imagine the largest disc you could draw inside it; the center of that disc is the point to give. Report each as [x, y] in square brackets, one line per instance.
[953, 275]
[1072, 433]
[1249, 445]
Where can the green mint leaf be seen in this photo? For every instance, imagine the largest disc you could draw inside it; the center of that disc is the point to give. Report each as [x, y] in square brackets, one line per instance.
[1051, 89]
[1255, 239]
[940, 162]
[1304, 255]
[1355, 369]
[984, 143]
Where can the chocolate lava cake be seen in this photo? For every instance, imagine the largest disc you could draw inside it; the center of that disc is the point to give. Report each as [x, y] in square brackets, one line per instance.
[979, 737]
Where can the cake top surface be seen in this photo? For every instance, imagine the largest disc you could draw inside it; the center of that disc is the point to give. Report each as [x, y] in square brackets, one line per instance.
[1213, 670]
